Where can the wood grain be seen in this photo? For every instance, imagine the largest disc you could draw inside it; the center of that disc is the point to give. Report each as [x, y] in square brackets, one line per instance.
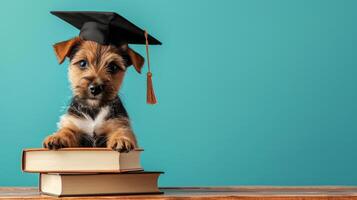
[77, 149]
[195, 193]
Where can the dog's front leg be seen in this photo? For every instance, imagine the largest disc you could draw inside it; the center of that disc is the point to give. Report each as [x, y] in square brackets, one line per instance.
[120, 136]
[121, 140]
[64, 137]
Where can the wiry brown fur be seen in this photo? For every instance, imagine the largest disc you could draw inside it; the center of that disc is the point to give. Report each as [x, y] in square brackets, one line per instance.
[117, 130]
[98, 57]
[119, 134]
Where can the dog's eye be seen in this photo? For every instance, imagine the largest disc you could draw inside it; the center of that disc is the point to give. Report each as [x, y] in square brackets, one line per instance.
[82, 64]
[113, 68]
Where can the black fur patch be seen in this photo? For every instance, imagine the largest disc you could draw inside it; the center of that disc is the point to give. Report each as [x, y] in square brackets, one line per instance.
[116, 109]
[95, 141]
[78, 107]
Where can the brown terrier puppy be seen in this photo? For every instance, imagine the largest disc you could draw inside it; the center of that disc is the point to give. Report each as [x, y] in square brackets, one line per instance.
[96, 116]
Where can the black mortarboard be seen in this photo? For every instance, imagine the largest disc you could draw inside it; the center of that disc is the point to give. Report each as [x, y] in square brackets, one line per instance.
[105, 27]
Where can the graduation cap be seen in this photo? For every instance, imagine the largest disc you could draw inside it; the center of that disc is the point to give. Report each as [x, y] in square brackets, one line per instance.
[107, 28]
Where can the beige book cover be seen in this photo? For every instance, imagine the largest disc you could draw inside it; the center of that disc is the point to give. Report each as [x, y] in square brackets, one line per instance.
[99, 184]
[80, 160]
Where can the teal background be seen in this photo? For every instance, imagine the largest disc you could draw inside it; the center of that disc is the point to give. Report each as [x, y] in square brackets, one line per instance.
[253, 92]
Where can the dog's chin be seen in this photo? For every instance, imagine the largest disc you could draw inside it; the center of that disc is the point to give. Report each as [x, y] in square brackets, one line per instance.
[93, 102]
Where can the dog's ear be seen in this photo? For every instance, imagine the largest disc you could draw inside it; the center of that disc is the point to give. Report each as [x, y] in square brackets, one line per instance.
[62, 49]
[136, 59]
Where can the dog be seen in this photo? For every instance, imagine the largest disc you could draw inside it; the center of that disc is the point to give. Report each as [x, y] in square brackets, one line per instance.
[96, 116]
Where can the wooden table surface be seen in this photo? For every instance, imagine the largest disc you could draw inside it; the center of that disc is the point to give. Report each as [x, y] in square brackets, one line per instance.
[246, 193]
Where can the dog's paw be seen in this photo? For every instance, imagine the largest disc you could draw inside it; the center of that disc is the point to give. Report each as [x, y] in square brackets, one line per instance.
[55, 142]
[121, 144]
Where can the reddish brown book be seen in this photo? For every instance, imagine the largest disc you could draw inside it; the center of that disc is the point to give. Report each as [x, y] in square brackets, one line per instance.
[80, 160]
[99, 184]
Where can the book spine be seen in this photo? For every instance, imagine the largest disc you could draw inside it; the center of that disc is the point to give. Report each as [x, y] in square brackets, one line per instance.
[39, 183]
[23, 160]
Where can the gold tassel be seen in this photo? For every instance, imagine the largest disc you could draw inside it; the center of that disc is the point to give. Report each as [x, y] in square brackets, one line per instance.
[150, 94]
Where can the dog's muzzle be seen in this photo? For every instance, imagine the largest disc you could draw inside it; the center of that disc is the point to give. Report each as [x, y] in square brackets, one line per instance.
[95, 89]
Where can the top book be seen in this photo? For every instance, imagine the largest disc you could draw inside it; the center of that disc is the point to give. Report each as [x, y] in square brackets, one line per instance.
[80, 160]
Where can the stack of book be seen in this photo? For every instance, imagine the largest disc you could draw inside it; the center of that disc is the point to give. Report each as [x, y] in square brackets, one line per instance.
[89, 171]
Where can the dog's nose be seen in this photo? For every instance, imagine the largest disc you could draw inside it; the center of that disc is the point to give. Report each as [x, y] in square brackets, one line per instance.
[95, 89]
